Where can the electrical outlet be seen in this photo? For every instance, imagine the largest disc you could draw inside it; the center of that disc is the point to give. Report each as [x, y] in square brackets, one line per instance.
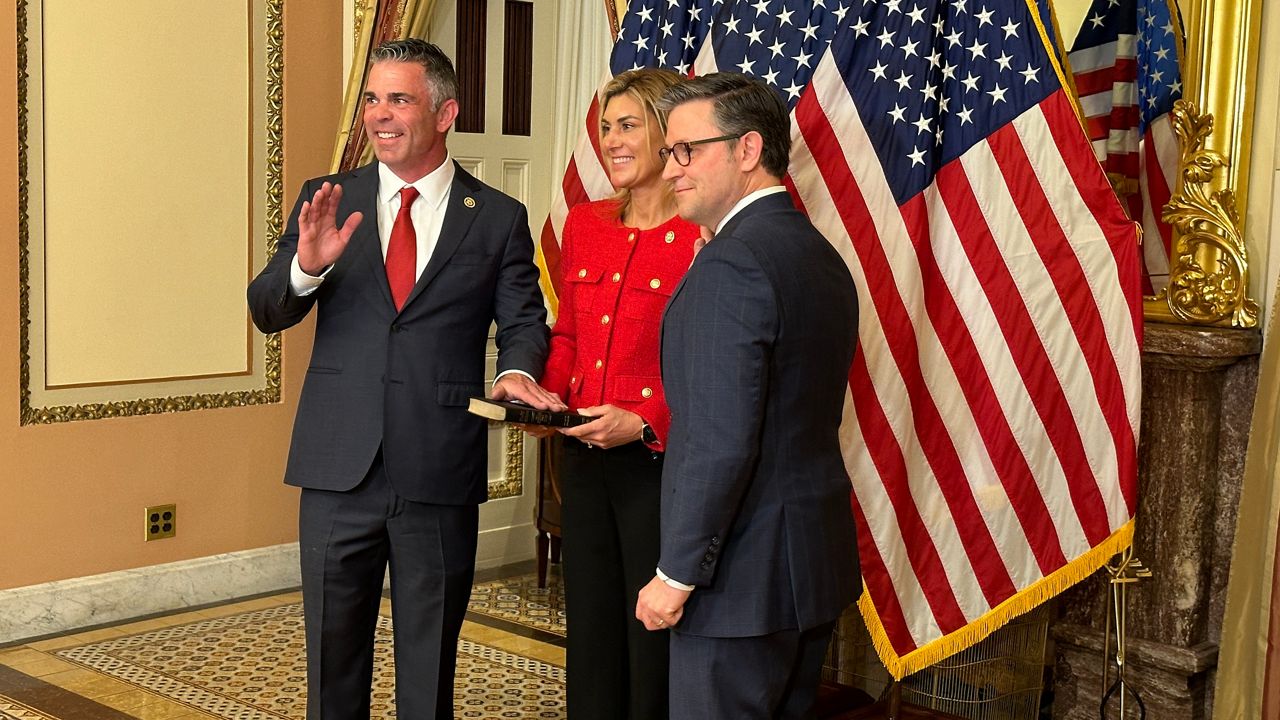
[161, 522]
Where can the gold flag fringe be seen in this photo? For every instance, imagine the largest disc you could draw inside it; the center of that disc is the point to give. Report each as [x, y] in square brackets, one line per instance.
[544, 278]
[969, 635]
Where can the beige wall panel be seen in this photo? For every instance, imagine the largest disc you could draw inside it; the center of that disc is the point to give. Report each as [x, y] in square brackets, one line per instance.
[147, 189]
[71, 494]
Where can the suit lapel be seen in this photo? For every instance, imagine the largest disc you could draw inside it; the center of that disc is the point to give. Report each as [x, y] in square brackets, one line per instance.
[778, 201]
[361, 193]
[465, 205]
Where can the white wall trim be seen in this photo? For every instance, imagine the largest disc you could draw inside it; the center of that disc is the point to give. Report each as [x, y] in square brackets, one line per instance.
[64, 605]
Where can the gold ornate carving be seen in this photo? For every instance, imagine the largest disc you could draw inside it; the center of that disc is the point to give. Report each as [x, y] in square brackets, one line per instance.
[270, 393]
[616, 10]
[511, 484]
[1209, 274]
[24, 264]
[1208, 277]
[275, 145]
[363, 9]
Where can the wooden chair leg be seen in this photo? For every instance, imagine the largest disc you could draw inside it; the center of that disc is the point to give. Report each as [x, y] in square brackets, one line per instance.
[543, 551]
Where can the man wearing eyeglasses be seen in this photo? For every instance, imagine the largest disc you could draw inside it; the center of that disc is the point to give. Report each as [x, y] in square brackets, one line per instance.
[758, 551]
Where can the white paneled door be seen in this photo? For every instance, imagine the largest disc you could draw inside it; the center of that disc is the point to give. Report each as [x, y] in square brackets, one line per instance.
[509, 149]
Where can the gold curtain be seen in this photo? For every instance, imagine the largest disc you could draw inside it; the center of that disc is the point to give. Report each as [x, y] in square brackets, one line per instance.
[377, 21]
[1248, 684]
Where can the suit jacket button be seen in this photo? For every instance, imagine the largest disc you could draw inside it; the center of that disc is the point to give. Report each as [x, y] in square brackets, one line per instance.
[395, 327]
[646, 393]
[715, 540]
[708, 557]
[705, 565]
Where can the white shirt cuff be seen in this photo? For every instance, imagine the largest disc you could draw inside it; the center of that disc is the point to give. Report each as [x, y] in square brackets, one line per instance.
[300, 282]
[508, 372]
[673, 583]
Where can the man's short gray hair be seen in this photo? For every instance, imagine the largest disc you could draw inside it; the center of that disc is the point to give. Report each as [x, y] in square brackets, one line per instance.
[441, 78]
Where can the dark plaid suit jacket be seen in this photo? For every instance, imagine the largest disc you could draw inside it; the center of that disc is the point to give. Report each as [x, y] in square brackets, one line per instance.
[401, 380]
[757, 343]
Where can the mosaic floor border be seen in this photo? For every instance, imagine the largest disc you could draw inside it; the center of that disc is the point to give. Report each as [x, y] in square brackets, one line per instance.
[250, 666]
[518, 599]
[13, 710]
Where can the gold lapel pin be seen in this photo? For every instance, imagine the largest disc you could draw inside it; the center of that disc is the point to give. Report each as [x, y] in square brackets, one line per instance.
[469, 202]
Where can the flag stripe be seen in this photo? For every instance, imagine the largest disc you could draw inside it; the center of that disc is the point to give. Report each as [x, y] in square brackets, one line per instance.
[1015, 511]
[1116, 232]
[1068, 272]
[1102, 79]
[1031, 356]
[883, 442]
[1135, 45]
[910, 340]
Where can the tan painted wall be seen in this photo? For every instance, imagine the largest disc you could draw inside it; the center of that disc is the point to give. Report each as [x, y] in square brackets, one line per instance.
[71, 494]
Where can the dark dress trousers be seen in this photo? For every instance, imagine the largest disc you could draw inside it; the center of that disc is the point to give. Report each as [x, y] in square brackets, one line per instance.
[757, 344]
[391, 465]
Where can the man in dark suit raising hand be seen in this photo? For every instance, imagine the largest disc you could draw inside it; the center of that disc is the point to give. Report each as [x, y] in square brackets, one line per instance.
[758, 551]
[407, 261]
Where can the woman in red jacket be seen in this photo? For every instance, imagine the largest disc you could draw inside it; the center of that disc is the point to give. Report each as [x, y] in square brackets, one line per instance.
[621, 258]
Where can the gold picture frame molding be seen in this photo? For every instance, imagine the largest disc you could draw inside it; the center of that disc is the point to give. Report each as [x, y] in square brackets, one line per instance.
[30, 413]
[1208, 263]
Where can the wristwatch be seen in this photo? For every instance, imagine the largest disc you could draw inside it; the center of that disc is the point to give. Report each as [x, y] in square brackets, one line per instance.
[647, 435]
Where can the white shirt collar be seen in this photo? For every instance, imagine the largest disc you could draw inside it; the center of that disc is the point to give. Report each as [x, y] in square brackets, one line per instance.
[747, 200]
[433, 187]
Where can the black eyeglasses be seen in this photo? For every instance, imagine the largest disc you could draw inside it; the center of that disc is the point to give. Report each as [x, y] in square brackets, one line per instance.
[683, 151]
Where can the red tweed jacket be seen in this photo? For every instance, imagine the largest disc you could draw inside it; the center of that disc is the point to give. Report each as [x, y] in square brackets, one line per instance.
[615, 284]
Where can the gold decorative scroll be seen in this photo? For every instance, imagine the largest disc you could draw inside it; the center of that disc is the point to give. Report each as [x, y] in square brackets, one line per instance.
[1208, 279]
[1209, 271]
[511, 483]
[1208, 264]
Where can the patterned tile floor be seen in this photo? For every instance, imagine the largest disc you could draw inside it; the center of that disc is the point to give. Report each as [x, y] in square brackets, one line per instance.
[245, 661]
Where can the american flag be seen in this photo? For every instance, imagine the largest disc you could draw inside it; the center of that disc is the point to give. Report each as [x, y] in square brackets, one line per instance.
[992, 429]
[1125, 61]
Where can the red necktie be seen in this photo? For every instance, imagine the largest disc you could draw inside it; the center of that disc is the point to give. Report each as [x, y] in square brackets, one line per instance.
[402, 250]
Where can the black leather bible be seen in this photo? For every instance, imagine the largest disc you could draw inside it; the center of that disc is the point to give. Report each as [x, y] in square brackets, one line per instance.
[518, 412]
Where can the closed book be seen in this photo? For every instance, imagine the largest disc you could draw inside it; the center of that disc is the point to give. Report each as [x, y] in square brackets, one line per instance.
[520, 413]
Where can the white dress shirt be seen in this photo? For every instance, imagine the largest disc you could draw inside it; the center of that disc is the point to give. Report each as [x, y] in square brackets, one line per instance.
[747, 200]
[427, 215]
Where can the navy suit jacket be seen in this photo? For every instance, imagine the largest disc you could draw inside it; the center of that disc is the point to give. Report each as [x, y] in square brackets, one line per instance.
[757, 343]
[401, 380]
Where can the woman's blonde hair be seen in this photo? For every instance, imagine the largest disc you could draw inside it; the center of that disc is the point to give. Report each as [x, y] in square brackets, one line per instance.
[646, 86]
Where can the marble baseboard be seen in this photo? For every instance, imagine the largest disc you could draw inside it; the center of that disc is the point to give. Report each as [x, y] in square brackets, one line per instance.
[64, 605]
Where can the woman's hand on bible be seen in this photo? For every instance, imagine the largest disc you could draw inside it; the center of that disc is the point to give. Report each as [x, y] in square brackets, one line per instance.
[612, 426]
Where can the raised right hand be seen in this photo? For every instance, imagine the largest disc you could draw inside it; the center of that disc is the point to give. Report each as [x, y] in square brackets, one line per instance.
[320, 240]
